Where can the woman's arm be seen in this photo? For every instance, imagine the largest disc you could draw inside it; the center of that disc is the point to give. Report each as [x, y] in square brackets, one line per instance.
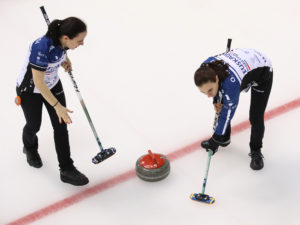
[61, 111]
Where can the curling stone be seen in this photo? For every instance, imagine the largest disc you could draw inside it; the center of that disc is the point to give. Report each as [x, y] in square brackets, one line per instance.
[152, 167]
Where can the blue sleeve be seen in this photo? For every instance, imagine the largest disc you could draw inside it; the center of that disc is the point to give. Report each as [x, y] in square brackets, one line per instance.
[230, 94]
[210, 59]
[38, 57]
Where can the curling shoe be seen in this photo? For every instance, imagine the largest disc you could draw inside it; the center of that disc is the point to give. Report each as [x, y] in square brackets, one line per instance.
[73, 176]
[257, 161]
[33, 157]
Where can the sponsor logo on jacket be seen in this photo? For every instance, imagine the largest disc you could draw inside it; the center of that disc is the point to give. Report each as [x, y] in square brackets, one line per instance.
[238, 61]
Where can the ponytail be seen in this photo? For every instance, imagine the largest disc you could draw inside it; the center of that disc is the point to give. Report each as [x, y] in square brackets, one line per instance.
[208, 72]
[54, 31]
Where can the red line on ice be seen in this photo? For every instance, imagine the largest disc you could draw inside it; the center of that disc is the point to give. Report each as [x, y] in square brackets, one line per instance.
[64, 203]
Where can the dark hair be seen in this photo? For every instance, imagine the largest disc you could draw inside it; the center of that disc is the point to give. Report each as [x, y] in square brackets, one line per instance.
[208, 71]
[70, 27]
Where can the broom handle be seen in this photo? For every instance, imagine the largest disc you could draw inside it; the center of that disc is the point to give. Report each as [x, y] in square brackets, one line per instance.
[77, 92]
[210, 153]
[229, 40]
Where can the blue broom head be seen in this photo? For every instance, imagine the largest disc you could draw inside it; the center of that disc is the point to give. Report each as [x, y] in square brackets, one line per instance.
[103, 155]
[202, 198]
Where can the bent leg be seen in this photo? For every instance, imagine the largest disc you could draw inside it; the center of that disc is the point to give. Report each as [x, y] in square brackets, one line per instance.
[61, 136]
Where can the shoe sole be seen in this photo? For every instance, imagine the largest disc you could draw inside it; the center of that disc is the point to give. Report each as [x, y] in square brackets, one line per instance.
[256, 168]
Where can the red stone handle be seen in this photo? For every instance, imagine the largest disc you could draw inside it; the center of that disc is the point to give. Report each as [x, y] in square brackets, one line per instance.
[152, 156]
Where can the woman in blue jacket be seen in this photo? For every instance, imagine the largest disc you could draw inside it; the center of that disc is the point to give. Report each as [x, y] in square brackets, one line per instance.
[38, 84]
[223, 77]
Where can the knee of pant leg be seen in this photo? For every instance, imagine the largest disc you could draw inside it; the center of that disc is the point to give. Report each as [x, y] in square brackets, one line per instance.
[60, 127]
[258, 126]
[60, 130]
[33, 129]
[256, 119]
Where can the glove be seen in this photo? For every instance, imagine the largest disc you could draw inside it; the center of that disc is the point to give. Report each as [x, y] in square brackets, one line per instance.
[223, 140]
[210, 144]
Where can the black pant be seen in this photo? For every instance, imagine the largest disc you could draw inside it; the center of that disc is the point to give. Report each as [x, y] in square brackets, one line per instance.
[259, 99]
[32, 105]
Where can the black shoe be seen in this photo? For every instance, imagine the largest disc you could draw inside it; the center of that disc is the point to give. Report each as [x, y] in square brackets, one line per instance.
[73, 176]
[33, 158]
[257, 161]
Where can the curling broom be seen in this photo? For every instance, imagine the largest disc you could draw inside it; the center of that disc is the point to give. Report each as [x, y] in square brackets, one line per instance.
[201, 197]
